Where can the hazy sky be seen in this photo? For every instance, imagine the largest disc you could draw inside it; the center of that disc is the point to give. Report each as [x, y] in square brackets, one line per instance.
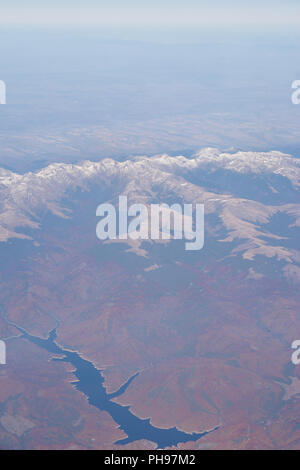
[139, 13]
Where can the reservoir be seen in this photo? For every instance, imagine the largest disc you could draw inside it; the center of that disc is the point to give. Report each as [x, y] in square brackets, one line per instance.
[90, 381]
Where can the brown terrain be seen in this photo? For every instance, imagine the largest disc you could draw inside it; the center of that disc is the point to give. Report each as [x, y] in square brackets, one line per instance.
[209, 332]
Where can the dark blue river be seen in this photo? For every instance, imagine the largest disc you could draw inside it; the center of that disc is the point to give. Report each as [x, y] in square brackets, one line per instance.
[90, 381]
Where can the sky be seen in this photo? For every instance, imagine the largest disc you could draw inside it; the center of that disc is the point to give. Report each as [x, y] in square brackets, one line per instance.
[148, 13]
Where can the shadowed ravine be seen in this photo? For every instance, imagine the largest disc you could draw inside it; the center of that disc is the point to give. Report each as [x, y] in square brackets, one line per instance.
[90, 381]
